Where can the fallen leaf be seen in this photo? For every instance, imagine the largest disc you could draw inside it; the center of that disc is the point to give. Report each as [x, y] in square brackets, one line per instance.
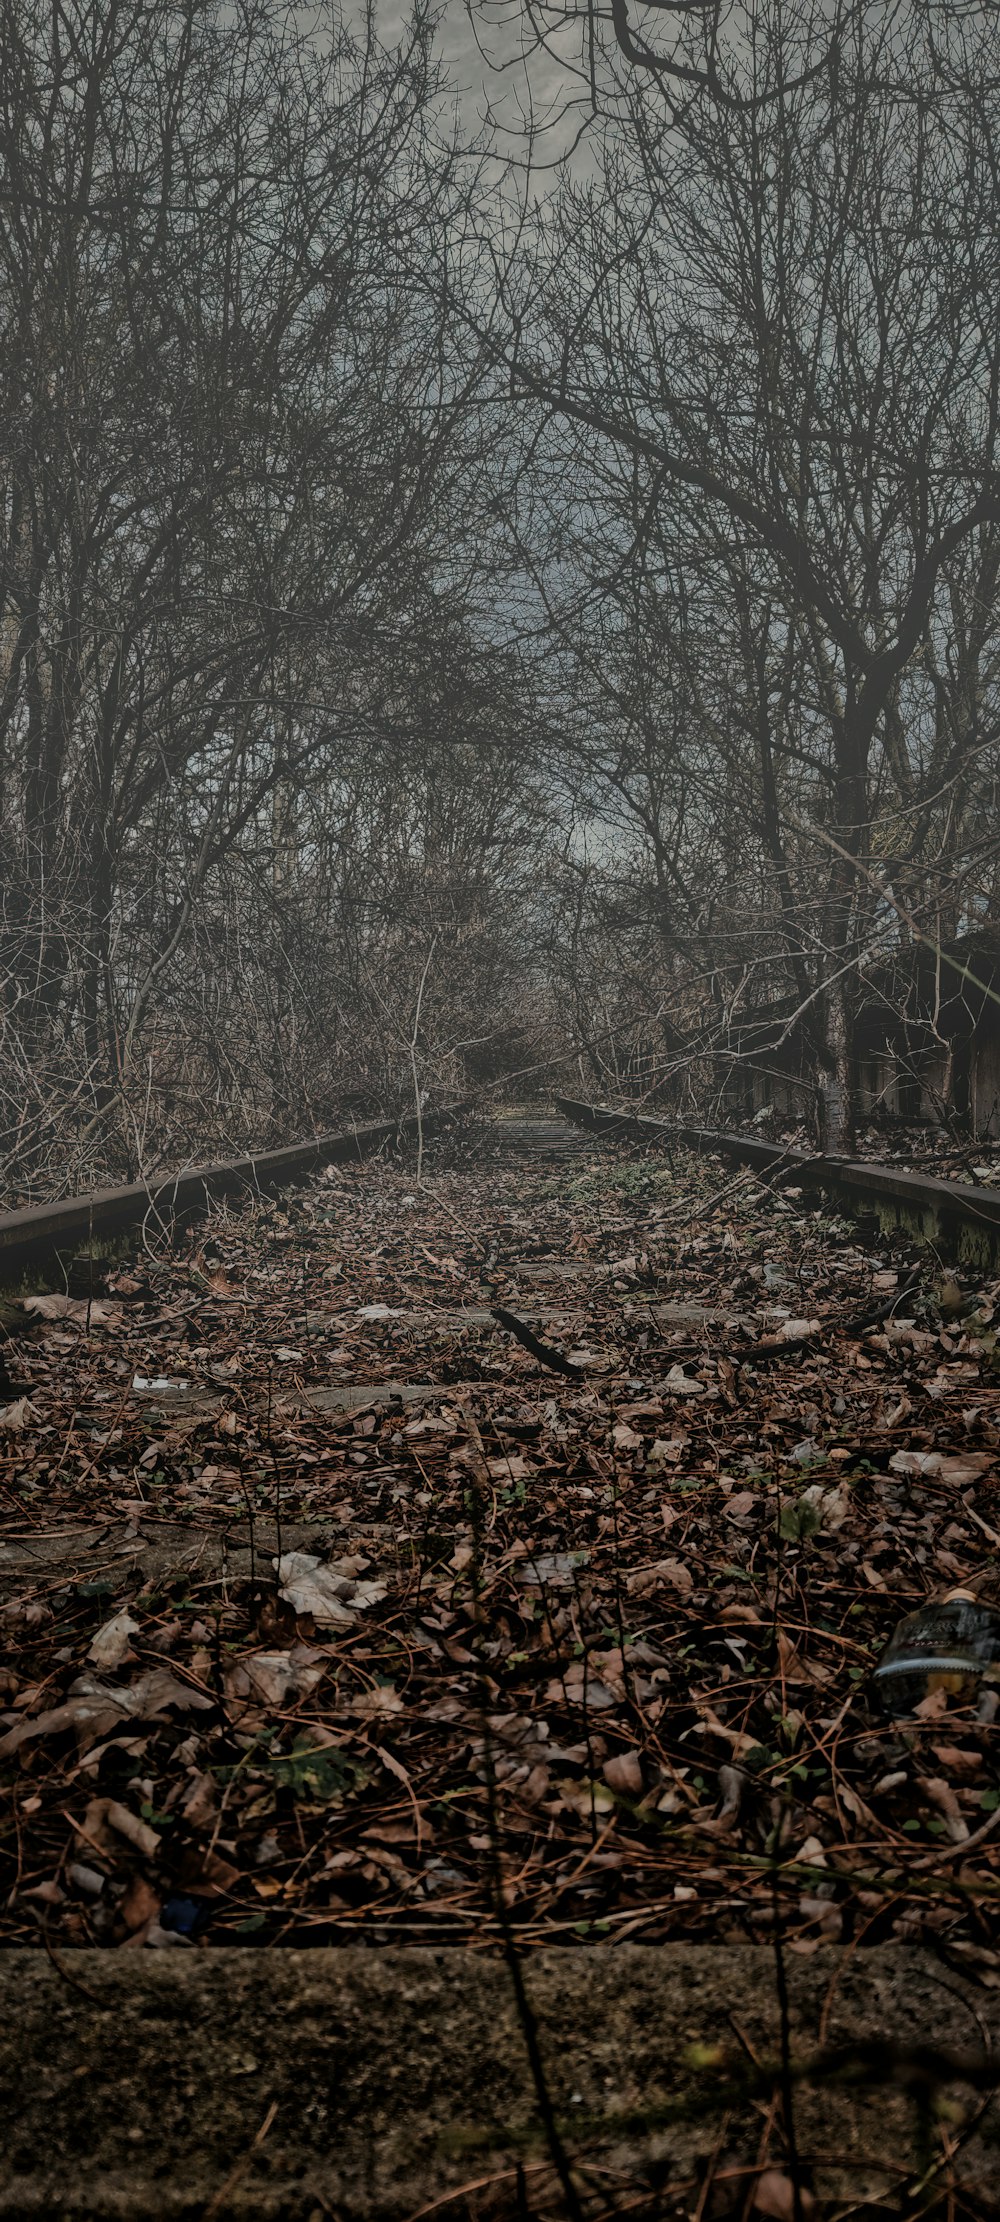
[277, 1677]
[376, 1704]
[966, 1466]
[958, 1760]
[550, 1569]
[140, 1904]
[94, 1708]
[45, 1894]
[587, 1798]
[669, 1573]
[111, 1643]
[624, 1773]
[89, 1311]
[679, 1383]
[775, 2197]
[332, 1599]
[208, 1873]
[582, 1686]
[200, 1802]
[831, 1506]
[943, 1796]
[18, 1415]
[666, 1449]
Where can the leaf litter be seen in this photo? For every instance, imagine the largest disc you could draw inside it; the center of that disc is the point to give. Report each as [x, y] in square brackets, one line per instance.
[632, 1614]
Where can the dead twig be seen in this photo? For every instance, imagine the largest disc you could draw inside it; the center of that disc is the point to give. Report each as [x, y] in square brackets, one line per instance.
[545, 1353]
[856, 1323]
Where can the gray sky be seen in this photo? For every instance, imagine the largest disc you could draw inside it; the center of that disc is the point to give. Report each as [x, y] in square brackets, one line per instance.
[492, 65]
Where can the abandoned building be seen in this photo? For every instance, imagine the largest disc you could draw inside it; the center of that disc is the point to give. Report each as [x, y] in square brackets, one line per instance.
[926, 1043]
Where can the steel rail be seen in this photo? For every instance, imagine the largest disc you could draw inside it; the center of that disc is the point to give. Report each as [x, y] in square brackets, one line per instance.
[40, 1234]
[956, 1218]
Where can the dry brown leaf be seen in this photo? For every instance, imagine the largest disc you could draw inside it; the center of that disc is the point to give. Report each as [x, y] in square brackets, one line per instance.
[111, 1643]
[959, 1761]
[200, 1802]
[140, 1904]
[775, 2197]
[679, 1383]
[668, 1573]
[624, 1774]
[333, 1600]
[275, 1677]
[208, 1874]
[943, 1796]
[832, 1506]
[22, 1413]
[376, 1704]
[94, 1708]
[89, 1312]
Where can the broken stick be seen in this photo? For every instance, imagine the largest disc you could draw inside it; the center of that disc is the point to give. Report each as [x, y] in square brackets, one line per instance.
[543, 1351]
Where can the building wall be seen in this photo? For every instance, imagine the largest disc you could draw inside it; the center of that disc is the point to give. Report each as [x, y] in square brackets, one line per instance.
[985, 1090]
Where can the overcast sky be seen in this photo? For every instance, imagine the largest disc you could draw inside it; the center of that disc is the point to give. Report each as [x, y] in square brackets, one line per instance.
[492, 65]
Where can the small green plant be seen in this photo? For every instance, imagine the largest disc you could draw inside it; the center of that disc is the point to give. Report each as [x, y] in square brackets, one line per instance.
[639, 1183]
[321, 1774]
[799, 1521]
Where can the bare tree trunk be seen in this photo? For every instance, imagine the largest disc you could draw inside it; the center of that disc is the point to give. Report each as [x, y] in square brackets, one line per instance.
[837, 1087]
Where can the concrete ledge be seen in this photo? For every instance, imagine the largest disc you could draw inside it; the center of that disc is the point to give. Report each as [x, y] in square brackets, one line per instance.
[37, 1235]
[960, 1219]
[370, 2083]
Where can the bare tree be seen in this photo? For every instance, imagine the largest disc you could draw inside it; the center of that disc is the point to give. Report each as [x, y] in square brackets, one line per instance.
[775, 307]
[225, 471]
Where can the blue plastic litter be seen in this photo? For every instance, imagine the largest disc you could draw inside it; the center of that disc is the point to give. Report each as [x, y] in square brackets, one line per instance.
[185, 1916]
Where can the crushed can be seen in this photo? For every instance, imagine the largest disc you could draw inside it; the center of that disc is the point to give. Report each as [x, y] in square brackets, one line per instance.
[951, 1643]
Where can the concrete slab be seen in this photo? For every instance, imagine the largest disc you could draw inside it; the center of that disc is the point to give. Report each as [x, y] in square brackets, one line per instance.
[126, 1556]
[345, 1396]
[376, 2083]
[131, 1552]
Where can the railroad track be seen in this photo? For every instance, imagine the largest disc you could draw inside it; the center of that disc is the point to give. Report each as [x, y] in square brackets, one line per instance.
[536, 1139]
[959, 1219]
[43, 1238]
[336, 1615]
[447, 1334]
[431, 1338]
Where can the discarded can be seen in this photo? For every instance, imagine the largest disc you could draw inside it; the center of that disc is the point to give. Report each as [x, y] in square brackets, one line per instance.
[951, 1644]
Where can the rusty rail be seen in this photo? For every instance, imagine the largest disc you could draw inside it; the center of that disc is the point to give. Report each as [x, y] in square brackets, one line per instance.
[957, 1218]
[37, 1237]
